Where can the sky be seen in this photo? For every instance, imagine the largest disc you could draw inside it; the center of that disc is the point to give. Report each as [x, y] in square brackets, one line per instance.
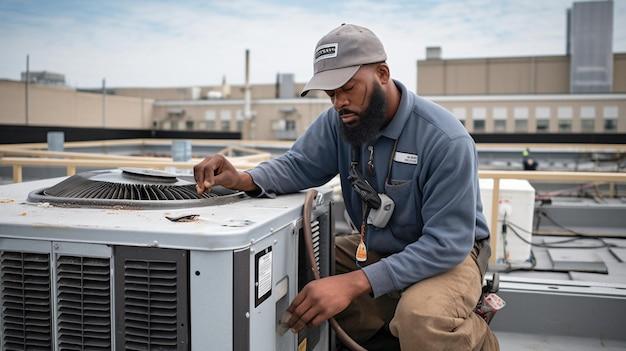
[190, 43]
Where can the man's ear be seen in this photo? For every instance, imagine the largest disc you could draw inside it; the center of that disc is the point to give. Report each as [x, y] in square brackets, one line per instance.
[382, 72]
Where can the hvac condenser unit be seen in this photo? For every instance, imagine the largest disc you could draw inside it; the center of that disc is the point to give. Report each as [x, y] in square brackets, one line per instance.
[516, 209]
[92, 262]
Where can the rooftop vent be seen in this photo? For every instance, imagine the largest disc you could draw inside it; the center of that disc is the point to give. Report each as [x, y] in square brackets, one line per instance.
[433, 53]
[131, 187]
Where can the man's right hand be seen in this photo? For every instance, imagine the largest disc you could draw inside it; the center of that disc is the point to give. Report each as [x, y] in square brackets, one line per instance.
[217, 170]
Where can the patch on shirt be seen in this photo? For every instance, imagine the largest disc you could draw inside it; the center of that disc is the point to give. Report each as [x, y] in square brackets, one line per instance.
[405, 158]
[326, 51]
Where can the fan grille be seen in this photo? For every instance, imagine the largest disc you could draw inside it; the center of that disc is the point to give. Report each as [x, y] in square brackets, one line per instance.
[115, 188]
[79, 187]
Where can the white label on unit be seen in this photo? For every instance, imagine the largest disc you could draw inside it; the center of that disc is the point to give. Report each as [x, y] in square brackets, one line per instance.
[265, 274]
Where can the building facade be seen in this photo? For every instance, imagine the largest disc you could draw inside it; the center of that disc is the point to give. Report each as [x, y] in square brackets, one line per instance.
[583, 91]
[272, 119]
[549, 113]
[50, 105]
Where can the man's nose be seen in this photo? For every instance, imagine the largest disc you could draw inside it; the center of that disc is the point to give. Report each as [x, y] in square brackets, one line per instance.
[340, 101]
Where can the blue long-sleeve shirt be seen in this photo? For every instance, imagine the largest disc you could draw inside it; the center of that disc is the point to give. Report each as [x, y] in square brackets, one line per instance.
[433, 182]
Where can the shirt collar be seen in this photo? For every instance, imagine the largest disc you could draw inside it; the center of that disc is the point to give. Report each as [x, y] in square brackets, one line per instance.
[394, 128]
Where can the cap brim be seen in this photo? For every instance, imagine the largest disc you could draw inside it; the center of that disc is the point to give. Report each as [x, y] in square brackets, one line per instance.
[330, 80]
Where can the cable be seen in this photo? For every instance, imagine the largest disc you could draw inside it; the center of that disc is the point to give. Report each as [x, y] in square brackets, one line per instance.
[533, 264]
[513, 226]
[345, 339]
[545, 214]
[577, 235]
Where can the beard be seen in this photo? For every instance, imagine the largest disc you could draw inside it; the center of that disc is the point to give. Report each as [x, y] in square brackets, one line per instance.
[370, 121]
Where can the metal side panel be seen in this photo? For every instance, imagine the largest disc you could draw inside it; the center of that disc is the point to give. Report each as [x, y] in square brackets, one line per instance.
[316, 338]
[25, 295]
[590, 310]
[83, 296]
[151, 299]
[241, 300]
[211, 300]
[271, 271]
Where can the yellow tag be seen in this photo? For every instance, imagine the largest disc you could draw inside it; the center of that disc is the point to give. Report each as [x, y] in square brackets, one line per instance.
[361, 252]
[302, 346]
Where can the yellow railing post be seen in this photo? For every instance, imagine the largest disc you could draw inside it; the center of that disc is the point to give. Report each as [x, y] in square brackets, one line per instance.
[493, 227]
[17, 173]
[71, 170]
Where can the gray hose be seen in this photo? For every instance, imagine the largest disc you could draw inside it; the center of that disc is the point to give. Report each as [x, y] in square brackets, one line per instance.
[345, 339]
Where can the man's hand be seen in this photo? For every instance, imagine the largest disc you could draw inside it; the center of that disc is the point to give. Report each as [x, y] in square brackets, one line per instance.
[322, 299]
[217, 170]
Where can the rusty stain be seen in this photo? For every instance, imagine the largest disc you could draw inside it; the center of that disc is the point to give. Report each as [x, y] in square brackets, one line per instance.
[23, 214]
[6, 201]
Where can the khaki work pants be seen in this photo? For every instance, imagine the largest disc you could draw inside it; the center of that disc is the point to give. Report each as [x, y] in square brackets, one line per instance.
[433, 314]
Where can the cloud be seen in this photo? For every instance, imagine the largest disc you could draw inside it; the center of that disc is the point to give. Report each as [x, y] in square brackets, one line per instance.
[153, 43]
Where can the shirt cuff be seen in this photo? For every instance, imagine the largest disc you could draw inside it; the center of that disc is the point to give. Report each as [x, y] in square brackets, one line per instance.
[380, 278]
[260, 191]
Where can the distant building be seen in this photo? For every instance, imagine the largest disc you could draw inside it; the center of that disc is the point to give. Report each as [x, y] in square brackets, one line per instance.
[582, 92]
[44, 77]
[273, 119]
[279, 113]
[54, 105]
[590, 47]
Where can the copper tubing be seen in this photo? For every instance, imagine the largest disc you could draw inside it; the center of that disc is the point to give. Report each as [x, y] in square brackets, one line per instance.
[345, 339]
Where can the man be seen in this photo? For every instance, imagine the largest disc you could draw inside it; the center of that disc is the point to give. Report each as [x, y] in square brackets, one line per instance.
[528, 163]
[421, 279]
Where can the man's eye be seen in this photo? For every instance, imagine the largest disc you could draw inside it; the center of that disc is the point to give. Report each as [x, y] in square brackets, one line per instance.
[348, 88]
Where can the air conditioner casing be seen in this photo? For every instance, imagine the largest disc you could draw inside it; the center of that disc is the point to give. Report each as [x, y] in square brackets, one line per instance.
[517, 201]
[150, 283]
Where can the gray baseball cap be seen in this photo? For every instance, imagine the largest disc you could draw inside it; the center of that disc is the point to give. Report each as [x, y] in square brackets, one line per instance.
[340, 54]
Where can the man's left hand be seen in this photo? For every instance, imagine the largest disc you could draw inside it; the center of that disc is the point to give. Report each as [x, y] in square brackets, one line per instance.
[322, 299]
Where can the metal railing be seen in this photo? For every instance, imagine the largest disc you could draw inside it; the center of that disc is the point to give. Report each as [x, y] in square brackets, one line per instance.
[564, 177]
[73, 160]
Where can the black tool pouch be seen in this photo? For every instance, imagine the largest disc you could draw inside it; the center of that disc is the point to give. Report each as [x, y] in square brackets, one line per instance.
[482, 259]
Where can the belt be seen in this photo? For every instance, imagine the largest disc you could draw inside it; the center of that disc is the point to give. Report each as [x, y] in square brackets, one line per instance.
[481, 257]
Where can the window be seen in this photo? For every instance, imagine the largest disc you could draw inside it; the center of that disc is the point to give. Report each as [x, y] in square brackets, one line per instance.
[239, 119]
[189, 125]
[459, 113]
[520, 114]
[610, 125]
[587, 125]
[499, 125]
[478, 116]
[564, 114]
[479, 125]
[587, 119]
[542, 115]
[565, 125]
[225, 125]
[499, 119]
[610, 119]
[225, 120]
[209, 118]
[521, 125]
[290, 125]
